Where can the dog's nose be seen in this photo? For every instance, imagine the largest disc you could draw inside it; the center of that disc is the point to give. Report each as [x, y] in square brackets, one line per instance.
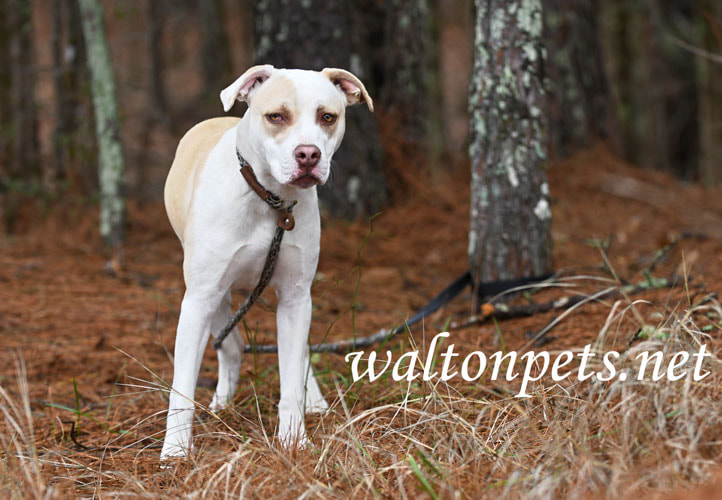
[307, 156]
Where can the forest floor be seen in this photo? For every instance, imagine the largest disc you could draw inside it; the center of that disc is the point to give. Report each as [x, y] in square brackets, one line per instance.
[86, 356]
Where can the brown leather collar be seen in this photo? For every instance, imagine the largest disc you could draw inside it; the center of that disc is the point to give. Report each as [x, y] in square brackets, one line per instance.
[285, 217]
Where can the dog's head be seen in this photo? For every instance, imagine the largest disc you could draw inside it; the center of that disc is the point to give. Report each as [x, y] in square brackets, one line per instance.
[296, 118]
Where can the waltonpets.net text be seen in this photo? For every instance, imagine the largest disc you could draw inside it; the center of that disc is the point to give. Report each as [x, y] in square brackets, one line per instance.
[535, 365]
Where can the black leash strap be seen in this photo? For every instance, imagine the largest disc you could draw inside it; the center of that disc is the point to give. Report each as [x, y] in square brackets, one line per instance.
[444, 297]
[284, 223]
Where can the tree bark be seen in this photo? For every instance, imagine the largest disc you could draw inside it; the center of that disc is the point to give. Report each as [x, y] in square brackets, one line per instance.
[314, 34]
[215, 53]
[510, 206]
[653, 81]
[410, 119]
[579, 93]
[19, 125]
[404, 91]
[709, 91]
[110, 154]
[24, 161]
[154, 14]
[5, 120]
[68, 76]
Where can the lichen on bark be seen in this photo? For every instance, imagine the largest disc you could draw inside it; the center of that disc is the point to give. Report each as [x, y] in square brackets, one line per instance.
[111, 167]
[510, 207]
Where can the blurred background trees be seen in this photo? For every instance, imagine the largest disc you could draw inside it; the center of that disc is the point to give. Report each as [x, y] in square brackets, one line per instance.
[642, 76]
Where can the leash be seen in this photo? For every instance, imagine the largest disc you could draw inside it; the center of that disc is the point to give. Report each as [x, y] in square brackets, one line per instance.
[284, 222]
[444, 297]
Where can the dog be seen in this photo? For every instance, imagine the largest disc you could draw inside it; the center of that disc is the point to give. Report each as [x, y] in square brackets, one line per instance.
[292, 127]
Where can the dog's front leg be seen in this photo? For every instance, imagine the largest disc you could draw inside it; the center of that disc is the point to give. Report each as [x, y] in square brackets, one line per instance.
[191, 339]
[293, 318]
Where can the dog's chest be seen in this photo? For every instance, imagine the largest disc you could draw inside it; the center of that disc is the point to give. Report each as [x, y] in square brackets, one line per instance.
[251, 254]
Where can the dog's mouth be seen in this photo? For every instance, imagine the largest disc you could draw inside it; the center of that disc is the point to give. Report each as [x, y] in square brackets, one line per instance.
[305, 181]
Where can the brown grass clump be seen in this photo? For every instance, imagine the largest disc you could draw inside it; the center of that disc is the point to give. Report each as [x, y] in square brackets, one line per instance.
[388, 439]
[86, 361]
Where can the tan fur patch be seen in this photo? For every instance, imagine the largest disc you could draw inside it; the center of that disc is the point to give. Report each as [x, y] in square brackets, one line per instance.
[278, 95]
[191, 155]
[329, 129]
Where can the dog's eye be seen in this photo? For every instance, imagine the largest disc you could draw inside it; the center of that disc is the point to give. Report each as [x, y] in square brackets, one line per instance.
[328, 118]
[274, 117]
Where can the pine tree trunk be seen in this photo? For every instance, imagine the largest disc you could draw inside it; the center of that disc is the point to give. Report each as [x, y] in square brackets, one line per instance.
[68, 80]
[155, 13]
[709, 89]
[404, 92]
[510, 205]
[653, 82]
[579, 93]
[19, 119]
[5, 121]
[24, 161]
[314, 34]
[110, 153]
[215, 53]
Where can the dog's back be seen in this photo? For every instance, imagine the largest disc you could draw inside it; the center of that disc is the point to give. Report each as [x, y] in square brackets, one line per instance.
[191, 155]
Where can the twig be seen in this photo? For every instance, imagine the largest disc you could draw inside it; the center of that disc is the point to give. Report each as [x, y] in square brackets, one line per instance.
[504, 311]
[696, 50]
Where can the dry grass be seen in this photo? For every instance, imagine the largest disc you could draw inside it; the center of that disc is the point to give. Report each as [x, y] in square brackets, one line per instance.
[386, 439]
[88, 418]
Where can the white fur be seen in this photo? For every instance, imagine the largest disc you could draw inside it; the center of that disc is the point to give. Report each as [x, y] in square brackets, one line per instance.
[226, 233]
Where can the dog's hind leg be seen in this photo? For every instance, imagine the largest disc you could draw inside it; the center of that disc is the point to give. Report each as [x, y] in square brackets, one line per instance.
[229, 356]
[315, 402]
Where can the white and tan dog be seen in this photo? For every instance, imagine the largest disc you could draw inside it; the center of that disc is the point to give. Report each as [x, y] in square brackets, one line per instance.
[292, 128]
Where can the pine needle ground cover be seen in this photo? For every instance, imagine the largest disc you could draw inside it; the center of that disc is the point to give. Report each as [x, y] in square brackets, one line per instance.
[86, 358]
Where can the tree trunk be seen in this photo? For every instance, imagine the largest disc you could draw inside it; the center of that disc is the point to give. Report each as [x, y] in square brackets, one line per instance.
[709, 91]
[653, 81]
[215, 53]
[312, 35]
[58, 131]
[68, 80]
[155, 14]
[5, 121]
[410, 119]
[19, 120]
[107, 126]
[404, 90]
[455, 21]
[24, 161]
[579, 93]
[510, 206]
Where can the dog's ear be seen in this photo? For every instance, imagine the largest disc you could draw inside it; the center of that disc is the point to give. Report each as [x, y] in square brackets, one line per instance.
[240, 89]
[349, 85]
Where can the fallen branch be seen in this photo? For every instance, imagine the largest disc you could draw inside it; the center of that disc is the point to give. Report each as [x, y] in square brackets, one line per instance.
[504, 311]
[499, 311]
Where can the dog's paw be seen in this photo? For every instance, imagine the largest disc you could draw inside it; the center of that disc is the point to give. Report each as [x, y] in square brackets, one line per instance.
[292, 432]
[171, 452]
[318, 406]
[296, 442]
[218, 402]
